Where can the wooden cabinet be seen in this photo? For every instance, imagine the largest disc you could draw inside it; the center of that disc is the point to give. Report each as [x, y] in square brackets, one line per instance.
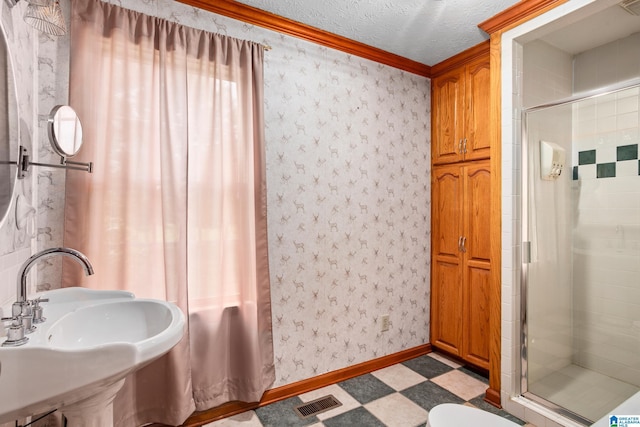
[460, 112]
[461, 200]
[461, 261]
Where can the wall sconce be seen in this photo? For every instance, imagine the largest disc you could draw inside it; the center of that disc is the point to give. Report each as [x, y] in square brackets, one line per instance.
[44, 15]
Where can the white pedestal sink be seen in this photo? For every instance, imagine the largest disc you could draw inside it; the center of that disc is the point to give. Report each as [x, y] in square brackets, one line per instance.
[77, 359]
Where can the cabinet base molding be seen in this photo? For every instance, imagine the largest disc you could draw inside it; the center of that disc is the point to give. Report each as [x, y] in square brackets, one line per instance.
[492, 397]
[294, 389]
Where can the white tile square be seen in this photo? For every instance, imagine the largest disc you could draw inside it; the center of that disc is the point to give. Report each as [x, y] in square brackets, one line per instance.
[627, 121]
[586, 172]
[398, 377]
[628, 104]
[461, 384]
[606, 154]
[627, 168]
[395, 410]
[348, 402]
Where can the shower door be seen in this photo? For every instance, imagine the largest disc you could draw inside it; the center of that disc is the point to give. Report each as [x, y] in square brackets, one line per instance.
[581, 256]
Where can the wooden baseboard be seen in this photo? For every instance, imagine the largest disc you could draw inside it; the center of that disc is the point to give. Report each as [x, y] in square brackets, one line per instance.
[294, 389]
[492, 397]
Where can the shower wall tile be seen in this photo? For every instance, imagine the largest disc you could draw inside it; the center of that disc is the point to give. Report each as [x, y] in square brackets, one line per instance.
[606, 170]
[627, 152]
[542, 59]
[627, 168]
[610, 63]
[607, 242]
[587, 157]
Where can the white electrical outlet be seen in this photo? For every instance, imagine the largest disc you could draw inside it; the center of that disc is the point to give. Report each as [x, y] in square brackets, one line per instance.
[384, 323]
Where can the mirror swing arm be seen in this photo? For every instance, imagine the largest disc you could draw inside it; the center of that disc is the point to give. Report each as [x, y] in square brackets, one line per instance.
[65, 135]
[24, 163]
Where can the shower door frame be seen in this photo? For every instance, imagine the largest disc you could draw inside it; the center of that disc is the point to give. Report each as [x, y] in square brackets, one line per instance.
[526, 242]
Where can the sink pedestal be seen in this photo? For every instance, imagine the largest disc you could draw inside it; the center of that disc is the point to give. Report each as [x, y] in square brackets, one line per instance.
[95, 411]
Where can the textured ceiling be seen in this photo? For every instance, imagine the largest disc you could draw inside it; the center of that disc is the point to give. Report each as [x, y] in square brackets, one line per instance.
[426, 31]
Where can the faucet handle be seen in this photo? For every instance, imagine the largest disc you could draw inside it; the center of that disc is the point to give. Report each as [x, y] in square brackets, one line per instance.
[37, 310]
[36, 302]
[23, 311]
[15, 332]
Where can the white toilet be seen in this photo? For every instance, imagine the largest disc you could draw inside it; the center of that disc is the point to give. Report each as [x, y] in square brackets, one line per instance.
[454, 415]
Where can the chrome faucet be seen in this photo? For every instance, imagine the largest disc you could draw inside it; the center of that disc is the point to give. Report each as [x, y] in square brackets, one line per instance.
[21, 291]
[23, 309]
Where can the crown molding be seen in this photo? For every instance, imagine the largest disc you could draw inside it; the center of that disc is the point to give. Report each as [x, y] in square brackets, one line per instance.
[261, 18]
[481, 49]
[519, 12]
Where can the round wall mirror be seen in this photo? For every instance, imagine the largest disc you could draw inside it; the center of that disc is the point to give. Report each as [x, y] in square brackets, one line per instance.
[65, 131]
[9, 125]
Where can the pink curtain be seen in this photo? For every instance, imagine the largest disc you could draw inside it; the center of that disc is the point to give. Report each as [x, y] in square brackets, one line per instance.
[176, 207]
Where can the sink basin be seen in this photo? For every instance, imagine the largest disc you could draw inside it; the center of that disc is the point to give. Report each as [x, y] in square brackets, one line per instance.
[89, 341]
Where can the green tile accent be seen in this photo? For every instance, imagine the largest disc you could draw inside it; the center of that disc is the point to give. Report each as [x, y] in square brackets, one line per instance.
[627, 152]
[587, 157]
[575, 173]
[606, 170]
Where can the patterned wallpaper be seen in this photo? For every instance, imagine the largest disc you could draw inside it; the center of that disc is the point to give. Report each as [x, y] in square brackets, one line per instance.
[348, 179]
[53, 89]
[348, 192]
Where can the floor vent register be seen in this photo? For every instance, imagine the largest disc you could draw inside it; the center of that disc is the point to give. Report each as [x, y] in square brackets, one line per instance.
[317, 406]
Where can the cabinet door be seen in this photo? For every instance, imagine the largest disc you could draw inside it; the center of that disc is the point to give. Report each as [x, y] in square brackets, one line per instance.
[447, 109]
[477, 91]
[477, 263]
[446, 260]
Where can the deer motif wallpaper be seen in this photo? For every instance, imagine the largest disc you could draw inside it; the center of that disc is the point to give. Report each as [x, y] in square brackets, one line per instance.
[348, 180]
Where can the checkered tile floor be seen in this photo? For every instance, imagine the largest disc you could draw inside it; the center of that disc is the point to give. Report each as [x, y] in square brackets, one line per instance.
[398, 396]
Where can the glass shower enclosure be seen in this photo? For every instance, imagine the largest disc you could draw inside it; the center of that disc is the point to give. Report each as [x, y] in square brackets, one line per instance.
[581, 253]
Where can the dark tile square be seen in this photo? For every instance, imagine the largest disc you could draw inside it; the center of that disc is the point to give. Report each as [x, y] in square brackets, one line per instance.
[477, 375]
[428, 395]
[627, 152]
[606, 170]
[480, 403]
[575, 173]
[586, 157]
[427, 366]
[281, 413]
[356, 417]
[366, 388]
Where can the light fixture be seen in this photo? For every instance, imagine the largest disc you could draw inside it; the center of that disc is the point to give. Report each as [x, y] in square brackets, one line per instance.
[44, 15]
